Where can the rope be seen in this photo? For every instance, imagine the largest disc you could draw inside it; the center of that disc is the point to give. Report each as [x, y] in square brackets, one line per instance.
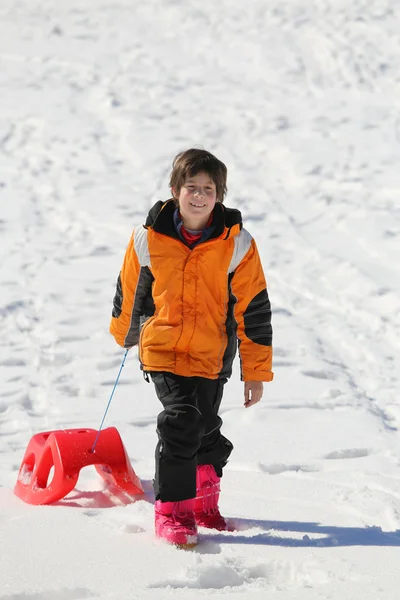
[109, 402]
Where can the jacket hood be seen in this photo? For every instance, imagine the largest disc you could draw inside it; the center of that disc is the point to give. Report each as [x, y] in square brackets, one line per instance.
[160, 218]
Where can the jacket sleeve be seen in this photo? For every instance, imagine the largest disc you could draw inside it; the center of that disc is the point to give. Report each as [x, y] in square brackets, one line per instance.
[252, 312]
[121, 326]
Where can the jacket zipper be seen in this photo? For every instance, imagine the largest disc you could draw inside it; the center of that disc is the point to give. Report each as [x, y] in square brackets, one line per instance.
[222, 329]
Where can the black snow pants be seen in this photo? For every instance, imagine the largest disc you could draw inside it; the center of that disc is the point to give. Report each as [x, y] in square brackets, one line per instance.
[189, 433]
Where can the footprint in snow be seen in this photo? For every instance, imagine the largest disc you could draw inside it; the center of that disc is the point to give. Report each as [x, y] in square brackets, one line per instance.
[349, 453]
[319, 374]
[277, 469]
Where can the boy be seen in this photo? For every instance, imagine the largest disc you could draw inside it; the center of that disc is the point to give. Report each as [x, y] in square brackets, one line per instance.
[190, 291]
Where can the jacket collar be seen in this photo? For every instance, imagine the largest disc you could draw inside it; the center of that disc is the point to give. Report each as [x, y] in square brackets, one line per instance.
[161, 219]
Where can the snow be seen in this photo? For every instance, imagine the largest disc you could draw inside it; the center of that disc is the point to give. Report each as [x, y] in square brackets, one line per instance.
[299, 99]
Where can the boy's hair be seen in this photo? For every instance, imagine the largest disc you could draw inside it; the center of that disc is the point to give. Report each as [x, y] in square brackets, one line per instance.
[190, 162]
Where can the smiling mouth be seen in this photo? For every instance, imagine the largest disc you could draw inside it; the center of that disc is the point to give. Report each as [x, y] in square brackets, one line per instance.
[197, 205]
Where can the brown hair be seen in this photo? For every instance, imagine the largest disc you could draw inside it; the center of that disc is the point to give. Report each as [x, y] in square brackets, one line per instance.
[190, 162]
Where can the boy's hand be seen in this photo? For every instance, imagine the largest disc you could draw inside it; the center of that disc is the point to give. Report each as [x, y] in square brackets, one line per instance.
[253, 391]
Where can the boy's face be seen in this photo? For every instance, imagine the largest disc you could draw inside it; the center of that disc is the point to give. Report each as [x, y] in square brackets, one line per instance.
[197, 199]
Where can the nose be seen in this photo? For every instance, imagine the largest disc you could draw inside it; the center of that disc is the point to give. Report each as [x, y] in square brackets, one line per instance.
[198, 193]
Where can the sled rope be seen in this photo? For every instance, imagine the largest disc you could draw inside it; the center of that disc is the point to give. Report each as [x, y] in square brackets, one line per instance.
[109, 402]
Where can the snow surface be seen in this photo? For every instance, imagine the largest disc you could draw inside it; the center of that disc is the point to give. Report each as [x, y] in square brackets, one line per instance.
[300, 99]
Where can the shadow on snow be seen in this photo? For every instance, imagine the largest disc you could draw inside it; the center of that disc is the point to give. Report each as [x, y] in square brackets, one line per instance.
[314, 535]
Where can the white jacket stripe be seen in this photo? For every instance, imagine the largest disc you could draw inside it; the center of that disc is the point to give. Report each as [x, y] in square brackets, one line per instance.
[242, 246]
[141, 246]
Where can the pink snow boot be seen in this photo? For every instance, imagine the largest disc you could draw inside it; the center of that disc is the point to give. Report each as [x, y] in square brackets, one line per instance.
[206, 509]
[175, 522]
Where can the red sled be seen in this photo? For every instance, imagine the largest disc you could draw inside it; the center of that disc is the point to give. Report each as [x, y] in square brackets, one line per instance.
[66, 452]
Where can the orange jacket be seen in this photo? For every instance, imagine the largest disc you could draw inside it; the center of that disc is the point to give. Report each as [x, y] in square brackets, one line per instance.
[189, 309]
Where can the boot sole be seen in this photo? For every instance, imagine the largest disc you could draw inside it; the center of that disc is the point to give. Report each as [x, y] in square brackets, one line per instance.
[185, 541]
[186, 546]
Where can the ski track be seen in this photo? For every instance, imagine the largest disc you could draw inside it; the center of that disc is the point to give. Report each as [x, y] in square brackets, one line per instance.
[90, 120]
